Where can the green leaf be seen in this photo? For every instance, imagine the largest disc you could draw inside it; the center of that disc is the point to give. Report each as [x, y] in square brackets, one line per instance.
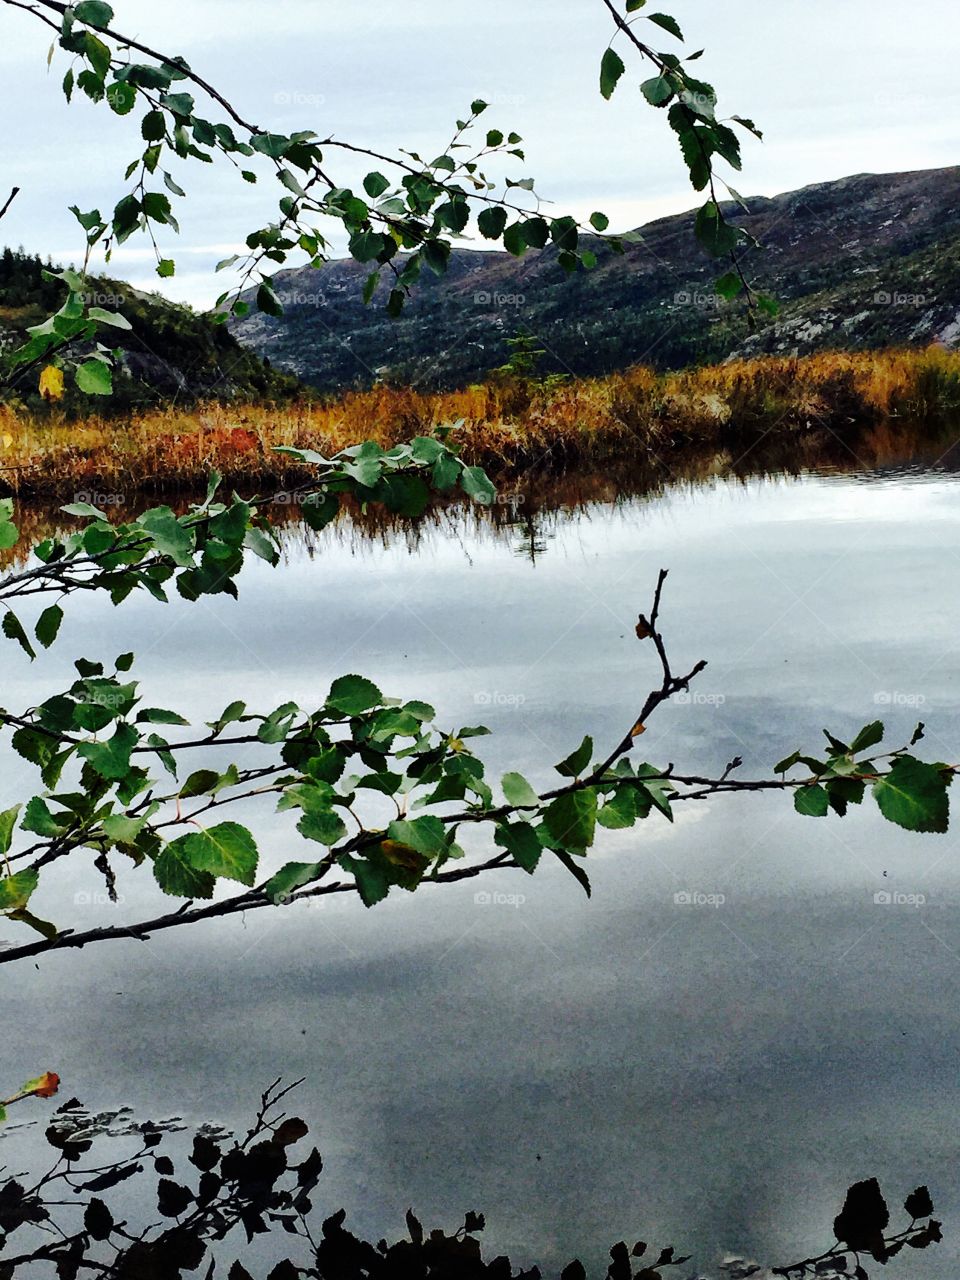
[94, 13]
[575, 870]
[267, 300]
[9, 533]
[177, 876]
[227, 850]
[169, 536]
[322, 825]
[111, 759]
[15, 890]
[375, 184]
[292, 876]
[436, 255]
[658, 91]
[373, 882]
[48, 624]
[121, 97]
[914, 796]
[159, 715]
[8, 820]
[477, 485]
[667, 23]
[729, 286]
[571, 818]
[491, 223]
[620, 811]
[518, 791]
[13, 630]
[352, 695]
[38, 819]
[599, 221]
[716, 235]
[153, 126]
[166, 267]
[121, 829]
[868, 736]
[427, 835]
[522, 843]
[575, 763]
[94, 378]
[199, 783]
[749, 125]
[43, 927]
[812, 802]
[611, 69]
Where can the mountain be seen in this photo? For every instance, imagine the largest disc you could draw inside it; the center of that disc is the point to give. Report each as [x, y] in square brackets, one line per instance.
[170, 353]
[866, 261]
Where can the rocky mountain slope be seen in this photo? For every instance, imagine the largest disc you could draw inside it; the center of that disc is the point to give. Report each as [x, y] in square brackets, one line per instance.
[867, 261]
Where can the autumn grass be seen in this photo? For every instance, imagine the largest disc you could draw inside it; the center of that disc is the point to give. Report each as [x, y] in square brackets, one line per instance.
[507, 426]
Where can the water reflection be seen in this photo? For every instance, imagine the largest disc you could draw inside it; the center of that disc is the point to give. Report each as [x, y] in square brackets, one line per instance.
[531, 503]
[715, 1073]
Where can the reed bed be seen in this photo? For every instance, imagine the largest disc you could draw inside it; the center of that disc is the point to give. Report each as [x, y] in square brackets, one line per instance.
[508, 425]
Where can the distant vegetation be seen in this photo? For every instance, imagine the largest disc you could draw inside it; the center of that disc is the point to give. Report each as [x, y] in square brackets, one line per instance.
[514, 420]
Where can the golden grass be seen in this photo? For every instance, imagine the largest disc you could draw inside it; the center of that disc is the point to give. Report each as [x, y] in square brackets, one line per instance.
[507, 425]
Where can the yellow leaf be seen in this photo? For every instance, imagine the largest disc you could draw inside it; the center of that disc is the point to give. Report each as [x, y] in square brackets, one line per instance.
[51, 383]
[7, 440]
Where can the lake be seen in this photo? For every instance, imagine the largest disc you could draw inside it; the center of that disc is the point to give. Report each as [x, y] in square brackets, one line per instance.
[712, 1073]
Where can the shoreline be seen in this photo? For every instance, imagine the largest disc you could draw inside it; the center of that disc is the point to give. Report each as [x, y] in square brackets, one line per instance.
[794, 408]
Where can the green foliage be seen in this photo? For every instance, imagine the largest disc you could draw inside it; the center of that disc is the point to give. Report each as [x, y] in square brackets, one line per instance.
[113, 785]
[406, 217]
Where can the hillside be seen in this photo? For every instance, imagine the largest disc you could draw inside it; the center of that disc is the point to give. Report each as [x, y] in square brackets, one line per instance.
[171, 352]
[867, 261]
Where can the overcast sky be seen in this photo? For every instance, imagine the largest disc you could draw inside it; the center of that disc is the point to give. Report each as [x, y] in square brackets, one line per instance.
[839, 87]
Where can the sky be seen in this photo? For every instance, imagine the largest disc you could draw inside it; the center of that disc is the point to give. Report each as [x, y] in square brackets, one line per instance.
[838, 86]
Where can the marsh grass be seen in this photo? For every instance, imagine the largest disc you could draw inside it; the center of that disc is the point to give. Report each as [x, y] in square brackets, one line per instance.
[508, 426]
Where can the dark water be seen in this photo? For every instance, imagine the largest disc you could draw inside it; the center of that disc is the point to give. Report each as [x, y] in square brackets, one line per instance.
[708, 1076]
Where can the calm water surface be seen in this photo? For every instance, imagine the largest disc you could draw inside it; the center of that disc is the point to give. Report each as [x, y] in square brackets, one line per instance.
[711, 1077]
